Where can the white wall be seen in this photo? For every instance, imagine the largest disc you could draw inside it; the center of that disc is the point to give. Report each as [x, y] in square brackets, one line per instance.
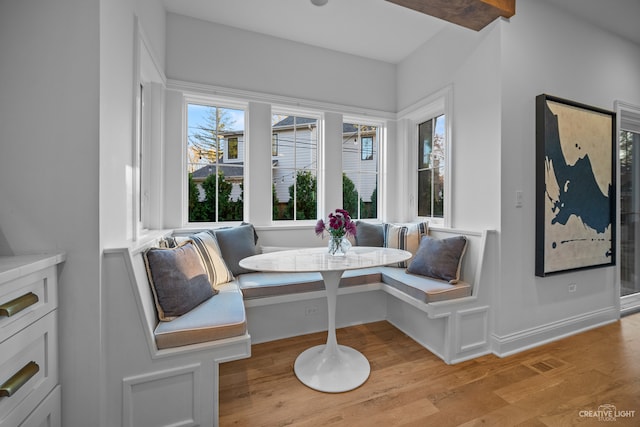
[469, 62]
[206, 56]
[49, 162]
[573, 60]
[65, 121]
[213, 54]
[116, 138]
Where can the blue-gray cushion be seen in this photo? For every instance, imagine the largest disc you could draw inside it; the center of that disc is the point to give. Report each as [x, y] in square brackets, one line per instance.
[368, 234]
[235, 244]
[440, 259]
[267, 284]
[178, 279]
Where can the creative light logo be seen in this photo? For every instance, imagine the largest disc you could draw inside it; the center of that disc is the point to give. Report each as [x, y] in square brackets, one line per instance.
[607, 412]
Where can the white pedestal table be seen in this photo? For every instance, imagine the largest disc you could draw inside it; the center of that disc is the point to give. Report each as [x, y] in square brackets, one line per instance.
[330, 367]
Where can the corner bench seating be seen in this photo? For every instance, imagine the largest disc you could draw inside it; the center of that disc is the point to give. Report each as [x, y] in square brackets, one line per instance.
[450, 320]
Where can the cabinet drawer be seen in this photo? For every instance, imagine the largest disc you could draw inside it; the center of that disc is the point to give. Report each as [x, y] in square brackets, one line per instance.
[26, 299]
[48, 413]
[37, 347]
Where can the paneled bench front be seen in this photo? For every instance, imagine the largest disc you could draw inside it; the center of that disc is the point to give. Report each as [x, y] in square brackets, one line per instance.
[164, 373]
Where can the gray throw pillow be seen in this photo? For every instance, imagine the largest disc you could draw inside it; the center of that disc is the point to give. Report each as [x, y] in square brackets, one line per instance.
[178, 279]
[235, 244]
[368, 234]
[439, 259]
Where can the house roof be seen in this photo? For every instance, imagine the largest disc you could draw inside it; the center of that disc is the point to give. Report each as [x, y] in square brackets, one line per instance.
[234, 170]
[300, 121]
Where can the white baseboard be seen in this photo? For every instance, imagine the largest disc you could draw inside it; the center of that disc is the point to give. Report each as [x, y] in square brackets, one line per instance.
[520, 341]
[630, 304]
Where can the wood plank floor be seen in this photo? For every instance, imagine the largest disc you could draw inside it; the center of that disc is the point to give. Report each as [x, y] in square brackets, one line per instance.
[560, 384]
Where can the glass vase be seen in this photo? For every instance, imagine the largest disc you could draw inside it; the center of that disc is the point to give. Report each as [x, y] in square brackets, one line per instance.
[338, 246]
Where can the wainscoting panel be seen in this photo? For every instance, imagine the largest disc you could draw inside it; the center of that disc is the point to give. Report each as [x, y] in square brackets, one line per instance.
[164, 398]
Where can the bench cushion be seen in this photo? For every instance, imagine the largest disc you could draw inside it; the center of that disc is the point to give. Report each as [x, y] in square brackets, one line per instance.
[221, 316]
[423, 288]
[267, 284]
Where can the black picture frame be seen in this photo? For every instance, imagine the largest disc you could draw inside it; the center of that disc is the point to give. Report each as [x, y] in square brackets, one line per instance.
[575, 186]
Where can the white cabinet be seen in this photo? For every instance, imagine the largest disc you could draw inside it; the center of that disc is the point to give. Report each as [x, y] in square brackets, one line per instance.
[29, 390]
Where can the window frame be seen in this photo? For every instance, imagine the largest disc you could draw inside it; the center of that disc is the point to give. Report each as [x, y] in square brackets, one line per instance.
[307, 114]
[210, 101]
[146, 173]
[431, 166]
[379, 140]
[369, 150]
[235, 139]
[439, 103]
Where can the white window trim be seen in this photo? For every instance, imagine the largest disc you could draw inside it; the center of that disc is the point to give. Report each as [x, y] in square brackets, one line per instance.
[230, 97]
[438, 103]
[214, 101]
[382, 157]
[148, 111]
[320, 164]
[627, 118]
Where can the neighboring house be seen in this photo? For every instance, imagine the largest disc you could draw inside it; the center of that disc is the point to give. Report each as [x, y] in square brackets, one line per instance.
[231, 164]
[294, 148]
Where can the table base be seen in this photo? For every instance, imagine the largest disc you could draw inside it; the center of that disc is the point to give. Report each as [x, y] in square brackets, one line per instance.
[332, 371]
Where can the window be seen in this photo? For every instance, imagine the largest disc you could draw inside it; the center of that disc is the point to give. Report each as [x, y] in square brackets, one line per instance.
[366, 148]
[274, 144]
[232, 153]
[360, 170]
[629, 183]
[215, 139]
[294, 169]
[431, 167]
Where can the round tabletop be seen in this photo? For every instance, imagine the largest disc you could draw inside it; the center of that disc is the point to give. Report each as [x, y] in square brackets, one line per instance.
[318, 259]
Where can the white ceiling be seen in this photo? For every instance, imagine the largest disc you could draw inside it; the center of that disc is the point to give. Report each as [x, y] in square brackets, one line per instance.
[375, 29]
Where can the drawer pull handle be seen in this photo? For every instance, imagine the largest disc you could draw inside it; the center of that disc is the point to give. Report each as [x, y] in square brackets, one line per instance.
[20, 378]
[14, 306]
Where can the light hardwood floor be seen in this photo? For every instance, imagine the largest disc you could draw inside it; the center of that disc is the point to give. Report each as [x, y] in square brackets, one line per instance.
[560, 384]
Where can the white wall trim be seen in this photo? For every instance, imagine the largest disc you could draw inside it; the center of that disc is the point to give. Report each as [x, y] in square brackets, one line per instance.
[630, 304]
[529, 338]
[275, 100]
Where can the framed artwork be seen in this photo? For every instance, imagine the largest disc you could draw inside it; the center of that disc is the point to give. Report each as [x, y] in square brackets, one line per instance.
[575, 186]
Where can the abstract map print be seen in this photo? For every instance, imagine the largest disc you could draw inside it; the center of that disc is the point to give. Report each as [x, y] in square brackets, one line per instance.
[578, 189]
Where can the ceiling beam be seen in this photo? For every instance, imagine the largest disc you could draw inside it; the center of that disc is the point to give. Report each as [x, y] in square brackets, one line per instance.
[473, 14]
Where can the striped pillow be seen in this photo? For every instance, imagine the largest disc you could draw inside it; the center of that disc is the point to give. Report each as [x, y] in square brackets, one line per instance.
[207, 246]
[406, 237]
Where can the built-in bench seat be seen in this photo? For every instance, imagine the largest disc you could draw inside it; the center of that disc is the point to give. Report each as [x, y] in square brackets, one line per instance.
[182, 355]
[215, 319]
[269, 284]
[165, 373]
[449, 319]
[424, 289]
